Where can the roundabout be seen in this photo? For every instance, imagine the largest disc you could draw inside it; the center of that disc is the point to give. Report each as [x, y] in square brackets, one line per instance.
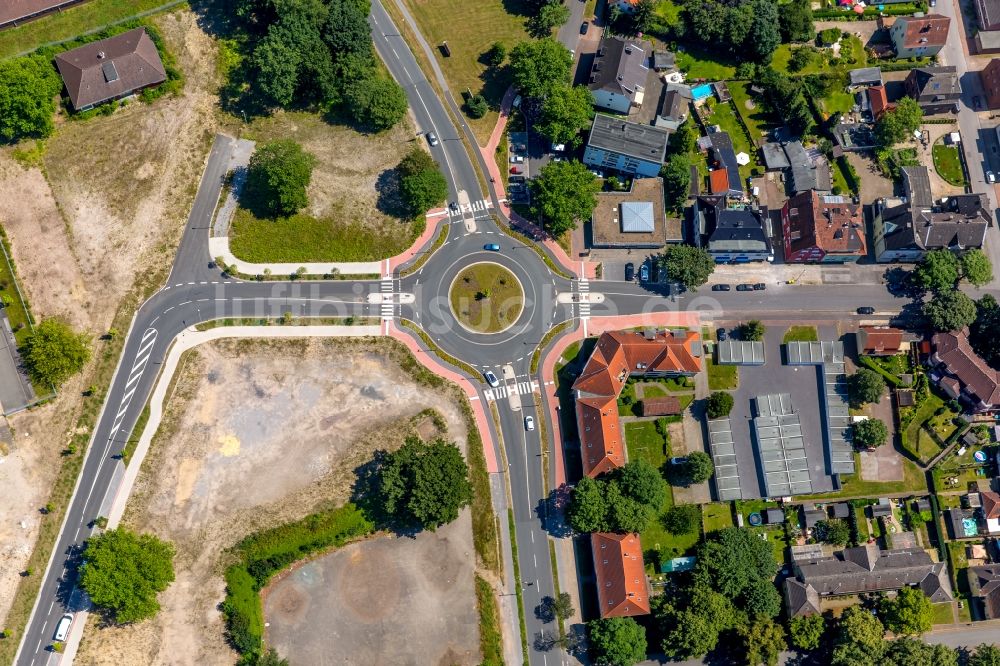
[486, 297]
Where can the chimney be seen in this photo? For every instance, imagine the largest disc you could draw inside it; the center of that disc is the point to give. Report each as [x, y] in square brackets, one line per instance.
[100, 55]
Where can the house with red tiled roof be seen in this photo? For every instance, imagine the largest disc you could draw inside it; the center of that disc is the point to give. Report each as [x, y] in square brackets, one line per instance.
[622, 589]
[916, 36]
[878, 99]
[823, 229]
[990, 504]
[881, 341]
[965, 375]
[616, 356]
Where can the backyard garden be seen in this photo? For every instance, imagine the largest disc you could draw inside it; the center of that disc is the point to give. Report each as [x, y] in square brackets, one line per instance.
[948, 163]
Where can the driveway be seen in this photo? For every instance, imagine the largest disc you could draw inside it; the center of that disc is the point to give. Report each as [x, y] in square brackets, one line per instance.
[15, 390]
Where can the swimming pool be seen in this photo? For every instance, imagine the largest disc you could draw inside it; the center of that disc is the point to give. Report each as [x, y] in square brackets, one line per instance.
[970, 527]
[701, 92]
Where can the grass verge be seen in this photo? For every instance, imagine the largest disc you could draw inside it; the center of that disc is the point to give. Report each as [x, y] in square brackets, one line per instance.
[555, 268]
[294, 321]
[517, 586]
[422, 259]
[558, 329]
[490, 637]
[721, 377]
[443, 355]
[800, 334]
[555, 583]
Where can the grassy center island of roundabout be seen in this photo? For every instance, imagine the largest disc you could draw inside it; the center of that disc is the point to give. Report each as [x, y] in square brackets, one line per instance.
[486, 298]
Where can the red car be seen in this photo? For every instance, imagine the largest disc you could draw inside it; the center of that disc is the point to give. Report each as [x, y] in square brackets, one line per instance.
[515, 169]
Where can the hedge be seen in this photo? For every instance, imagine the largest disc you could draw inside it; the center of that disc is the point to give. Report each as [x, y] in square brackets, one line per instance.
[902, 65]
[872, 365]
[850, 175]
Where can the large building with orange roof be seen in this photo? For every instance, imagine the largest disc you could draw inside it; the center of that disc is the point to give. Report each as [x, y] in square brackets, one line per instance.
[622, 589]
[617, 355]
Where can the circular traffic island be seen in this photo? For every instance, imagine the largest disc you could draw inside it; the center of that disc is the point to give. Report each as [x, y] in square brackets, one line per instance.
[486, 298]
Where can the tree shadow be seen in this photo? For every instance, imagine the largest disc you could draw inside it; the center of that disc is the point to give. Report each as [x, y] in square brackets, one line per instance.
[544, 611]
[390, 200]
[551, 511]
[366, 495]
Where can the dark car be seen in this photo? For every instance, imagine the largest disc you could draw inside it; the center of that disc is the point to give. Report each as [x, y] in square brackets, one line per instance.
[644, 273]
[744, 287]
[585, 27]
[867, 310]
[760, 286]
[721, 287]
[721, 335]
[453, 206]
[516, 179]
[629, 272]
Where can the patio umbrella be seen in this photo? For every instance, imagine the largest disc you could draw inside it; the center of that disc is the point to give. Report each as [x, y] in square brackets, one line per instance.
[742, 159]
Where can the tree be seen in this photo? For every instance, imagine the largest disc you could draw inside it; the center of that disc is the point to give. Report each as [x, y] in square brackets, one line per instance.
[562, 193]
[691, 629]
[896, 125]
[835, 532]
[682, 518]
[860, 638]
[785, 98]
[752, 330]
[698, 467]
[561, 606]
[685, 138]
[550, 16]
[796, 21]
[564, 112]
[985, 655]
[425, 483]
[720, 403]
[347, 30]
[539, 66]
[949, 311]
[54, 352]
[937, 271]
[642, 15]
[870, 433]
[976, 267]
[763, 640]
[497, 54]
[617, 641]
[721, 25]
[643, 483]
[761, 599]
[676, 174]
[985, 331]
[277, 178]
[476, 106]
[690, 266]
[732, 559]
[28, 87]
[376, 101]
[421, 182]
[909, 613]
[806, 632]
[122, 572]
[588, 511]
[914, 652]
[764, 34]
[865, 386]
[625, 513]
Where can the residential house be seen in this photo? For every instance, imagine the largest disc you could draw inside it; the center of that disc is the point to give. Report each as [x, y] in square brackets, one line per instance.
[990, 508]
[839, 510]
[622, 589]
[878, 102]
[616, 356]
[864, 569]
[674, 110]
[936, 89]
[865, 76]
[110, 69]
[634, 219]
[630, 148]
[918, 36]
[990, 77]
[822, 229]
[905, 229]
[724, 174]
[881, 341]
[774, 156]
[965, 376]
[731, 234]
[16, 12]
[808, 169]
[984, 584]
[812, 516]
[852, 137]
[618, 74]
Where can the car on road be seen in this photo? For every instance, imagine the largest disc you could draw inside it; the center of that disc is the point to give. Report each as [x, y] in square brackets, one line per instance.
[491, 379]
[62, 629]
[721, 287]
[991, 177]
[759, 286]
[516, 159]
[866, 310]
[744, 287]
[721, 335]
[432, 138]
[492, 247]
[529, 423]
[644, 272]
[516, 169]
[585, 27]
[453, 206]
[629, 272]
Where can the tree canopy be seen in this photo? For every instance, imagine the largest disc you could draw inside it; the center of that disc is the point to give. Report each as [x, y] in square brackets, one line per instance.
[752, 330]
[28, 87]
[865, 386]
[984, 333]
[617, 641]
[937, 271]
[976, 267]
[745, 28]
[676, 174]
[909, 613]
[896, 125]
[691, 622]
[806, 631]
[949, 311]
[985, 655]
[720, 403]
[623, 501]
[375, 101]
[698, 467]
[796, 21]
[682, 518]
[763, 640]
[540, 66]
[870, 433]
[425, 482]
[860, 638]
[277, 178]
[914, 652]
[765, 32]
[550, 15]
[422, 184]
[54, 352]
[123, 572]
[562, 193]
[690, 266]
[834, 531]
[732, 559]
[564, 112]
[785, 98]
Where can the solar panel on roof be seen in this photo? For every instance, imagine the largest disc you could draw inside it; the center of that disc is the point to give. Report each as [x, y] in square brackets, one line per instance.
[110, 72]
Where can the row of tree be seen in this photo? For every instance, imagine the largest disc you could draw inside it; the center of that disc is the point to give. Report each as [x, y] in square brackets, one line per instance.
[747, 29]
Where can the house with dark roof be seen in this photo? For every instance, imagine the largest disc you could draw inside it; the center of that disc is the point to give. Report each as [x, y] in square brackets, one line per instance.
[774, 516]
[664, 61]
[774, 156]
[618, 74]
[622, 589]
[864, 569]
[990, 78]
[674, 110]
[823, 229]
[852, 137]
[839, 510]
[881, 341]
[936, 89]
[984, 584]
[731, 234]
[917, 36]
[629, 148]
[110, 69]
[722, 159]
[812, 516]
[16, 12]
[972, 381]
[808, 169]
[616, 356]
[865, 76]
[905, 229]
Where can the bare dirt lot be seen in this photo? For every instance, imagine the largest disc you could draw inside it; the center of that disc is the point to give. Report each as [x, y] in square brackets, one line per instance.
[257, 434]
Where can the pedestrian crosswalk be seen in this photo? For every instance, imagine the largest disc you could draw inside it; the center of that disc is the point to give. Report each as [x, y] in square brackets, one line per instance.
[476, 206]
[502, 391]
[583, 305]
[388, 306]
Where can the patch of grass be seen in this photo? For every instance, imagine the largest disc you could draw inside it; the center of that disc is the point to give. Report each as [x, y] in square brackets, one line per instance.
[133, 440]
[15, 305]
[700, 64]
[823, 61]
[554, 563]
[645, 443]
[800, 334]
[837, 102]
[426, 254]
[490, 637]
[716, 516]
[653, 391]
[721, 377]
[669, 11]
[913, 438]
[72, 22]
[942, 613]
[306, 239]
[486, 297]
[756, 119]
[724, 115]
[948, 164]
[853, 486]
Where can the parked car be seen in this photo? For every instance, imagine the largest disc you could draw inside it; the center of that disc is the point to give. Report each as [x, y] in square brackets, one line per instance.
[629, 272]
[644, 272]
[760, 286]
[991, 177]
[585, 27]
[453, 205]
[721, 287]
[516, 159]
[492, 247]
[516, 169]
[491, 379]
[62, 629]
[516, 179]
[866, 310]
[529, 423]
[432, 138]
[721, 335]
[744, 287]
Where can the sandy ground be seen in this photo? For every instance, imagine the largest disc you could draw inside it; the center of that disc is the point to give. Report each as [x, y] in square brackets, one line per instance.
[255, 434]
[110, 203]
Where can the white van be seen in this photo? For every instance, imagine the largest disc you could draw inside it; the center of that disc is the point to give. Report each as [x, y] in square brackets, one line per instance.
[62, 629]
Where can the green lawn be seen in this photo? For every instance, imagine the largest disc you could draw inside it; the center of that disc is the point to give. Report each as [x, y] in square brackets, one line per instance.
[837, 102]
[699, 64]
[913, 437]
[800, 334]
[942, 613]
[948, 164]
[303, 238]
[839, 179]
[854, 486]
[823, 61]
[644, 443]
[724, 115]
[668, 11]
[722, 377]
[653, 391]
[717, 516]
[17, 311]
[486, 297]
[756, 119]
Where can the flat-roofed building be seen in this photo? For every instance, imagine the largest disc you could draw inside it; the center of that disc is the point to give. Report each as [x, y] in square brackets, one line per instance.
[630, 148]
